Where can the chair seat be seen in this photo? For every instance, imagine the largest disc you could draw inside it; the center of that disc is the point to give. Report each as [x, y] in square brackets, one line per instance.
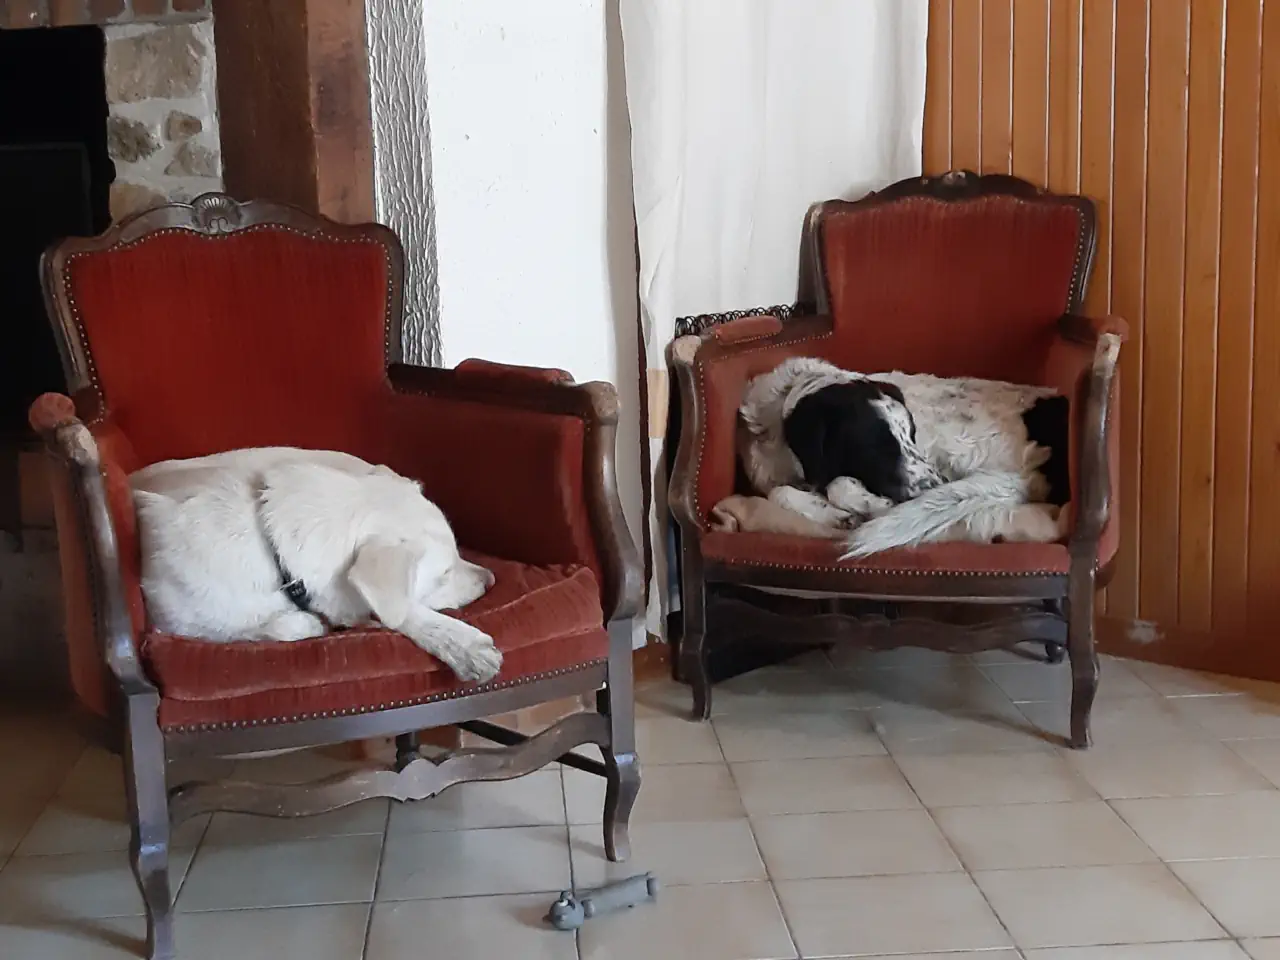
[544, 619]
[958, 559]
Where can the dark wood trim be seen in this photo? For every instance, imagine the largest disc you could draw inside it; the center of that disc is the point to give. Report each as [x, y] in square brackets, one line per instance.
[294, 105]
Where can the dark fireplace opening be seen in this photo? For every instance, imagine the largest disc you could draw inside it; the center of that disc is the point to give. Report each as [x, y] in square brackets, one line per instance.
[55, 181]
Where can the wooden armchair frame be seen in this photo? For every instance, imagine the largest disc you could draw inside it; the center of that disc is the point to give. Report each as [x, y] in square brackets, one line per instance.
[131, 726]
[879, 610]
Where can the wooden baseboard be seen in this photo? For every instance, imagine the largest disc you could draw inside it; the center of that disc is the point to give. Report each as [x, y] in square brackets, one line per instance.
[1239, 653]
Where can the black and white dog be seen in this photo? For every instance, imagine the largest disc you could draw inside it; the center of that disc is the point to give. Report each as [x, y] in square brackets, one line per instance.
[905, 459]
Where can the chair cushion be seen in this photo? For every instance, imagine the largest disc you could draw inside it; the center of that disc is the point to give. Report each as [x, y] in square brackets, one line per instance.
[959, 559]
[544, 619]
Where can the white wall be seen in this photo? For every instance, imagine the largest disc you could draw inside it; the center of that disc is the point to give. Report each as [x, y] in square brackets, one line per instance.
[531, 169]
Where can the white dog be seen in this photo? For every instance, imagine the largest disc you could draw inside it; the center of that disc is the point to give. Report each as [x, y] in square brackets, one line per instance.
[919, 458]
[281, 544]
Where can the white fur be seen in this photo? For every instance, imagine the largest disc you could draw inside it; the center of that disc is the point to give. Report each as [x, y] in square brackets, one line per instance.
[971, 470]
[364, 540]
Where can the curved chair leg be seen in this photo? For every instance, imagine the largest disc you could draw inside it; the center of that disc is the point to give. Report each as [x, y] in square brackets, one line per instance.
[617, 702]
[1084, 656]
[149, 821]
[693, 642]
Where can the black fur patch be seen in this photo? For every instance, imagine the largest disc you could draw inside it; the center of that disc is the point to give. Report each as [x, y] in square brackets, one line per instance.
[836, 432]
[1047, 424]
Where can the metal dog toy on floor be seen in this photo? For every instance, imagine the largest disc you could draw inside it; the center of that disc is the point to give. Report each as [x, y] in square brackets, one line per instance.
[570, 912]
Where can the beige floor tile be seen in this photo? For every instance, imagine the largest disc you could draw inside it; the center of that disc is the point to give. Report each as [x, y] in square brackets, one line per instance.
[1176, 682]
[664, 698]
[369, 817]
[953, 684]
[287, 874]
[719, 921]
[1080, 834]
[1202, 950]
[88, 813]
[17, 816]
[921, 731]
[701, 791]
[1207, 828]
[857, 916]
[1117, 722]
[478, 928]
[917, 660]
[796, 736]
[995, 778]
[966, 955]
[1032, 682]
[788, 690]
[1261, 755]
[114, 938]
[475, 863]
[869, 843]
[1165, 770]
[1085, 906]
[822, 786]
[81, 885]
[1268, 949]
[1240, 893]
[1230, 718]
[329, 932]
[533, 801]
[670, 740]
[717, 851]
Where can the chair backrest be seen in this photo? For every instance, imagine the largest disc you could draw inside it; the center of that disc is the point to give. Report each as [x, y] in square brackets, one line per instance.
[958, 275]
[203, 327]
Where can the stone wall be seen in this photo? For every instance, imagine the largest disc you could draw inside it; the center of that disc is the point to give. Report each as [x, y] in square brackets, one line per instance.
[162, 128]
[19, 14]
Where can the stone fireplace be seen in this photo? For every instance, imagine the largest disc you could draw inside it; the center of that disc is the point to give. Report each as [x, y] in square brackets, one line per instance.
[110, 108]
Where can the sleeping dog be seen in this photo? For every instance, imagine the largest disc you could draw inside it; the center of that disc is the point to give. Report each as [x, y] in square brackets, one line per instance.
[276, 543]
[904, 459]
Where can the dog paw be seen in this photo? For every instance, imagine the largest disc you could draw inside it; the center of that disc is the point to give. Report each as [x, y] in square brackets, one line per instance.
[292, 626]
[480, 662]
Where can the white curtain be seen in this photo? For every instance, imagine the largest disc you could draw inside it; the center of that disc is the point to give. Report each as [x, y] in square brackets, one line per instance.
[743, 113]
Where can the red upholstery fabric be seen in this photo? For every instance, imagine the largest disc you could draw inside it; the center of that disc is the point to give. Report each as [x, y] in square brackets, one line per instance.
[782, 550]
[543, 619]
[969, 288]
[487, 370]
[259, 338]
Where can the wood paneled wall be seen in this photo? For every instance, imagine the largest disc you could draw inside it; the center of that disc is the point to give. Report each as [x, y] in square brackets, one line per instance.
[1167, 113]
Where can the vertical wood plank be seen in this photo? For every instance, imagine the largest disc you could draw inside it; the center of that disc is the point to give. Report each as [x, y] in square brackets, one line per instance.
[997, 86]
[1200, 316]
[1162, 331]
[1097, 31]
[1031, 90]
[1264, 503]
[1128, 286]
[1233, 406]
[937, 103]
[1064, 96]
[966, 84]
[1096, 86]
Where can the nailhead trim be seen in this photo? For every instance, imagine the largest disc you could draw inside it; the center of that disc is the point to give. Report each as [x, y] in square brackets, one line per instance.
[393, 705]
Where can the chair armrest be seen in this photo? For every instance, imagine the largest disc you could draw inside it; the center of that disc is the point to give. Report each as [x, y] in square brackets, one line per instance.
[1084, 369]
[521, 461]
[711, 372]
[97, 542]
[1088, 330]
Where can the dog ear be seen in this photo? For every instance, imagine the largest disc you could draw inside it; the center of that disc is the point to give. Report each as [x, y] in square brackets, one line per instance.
[382, 574]
[890, 390]
[805, 432]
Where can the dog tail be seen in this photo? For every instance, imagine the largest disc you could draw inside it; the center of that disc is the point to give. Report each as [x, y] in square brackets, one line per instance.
[976, 507]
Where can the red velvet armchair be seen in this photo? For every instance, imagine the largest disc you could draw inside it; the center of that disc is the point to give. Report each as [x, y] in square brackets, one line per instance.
[198, 328]
[958, 275]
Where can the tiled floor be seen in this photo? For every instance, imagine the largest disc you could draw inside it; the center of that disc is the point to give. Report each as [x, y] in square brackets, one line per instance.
[905, 805]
